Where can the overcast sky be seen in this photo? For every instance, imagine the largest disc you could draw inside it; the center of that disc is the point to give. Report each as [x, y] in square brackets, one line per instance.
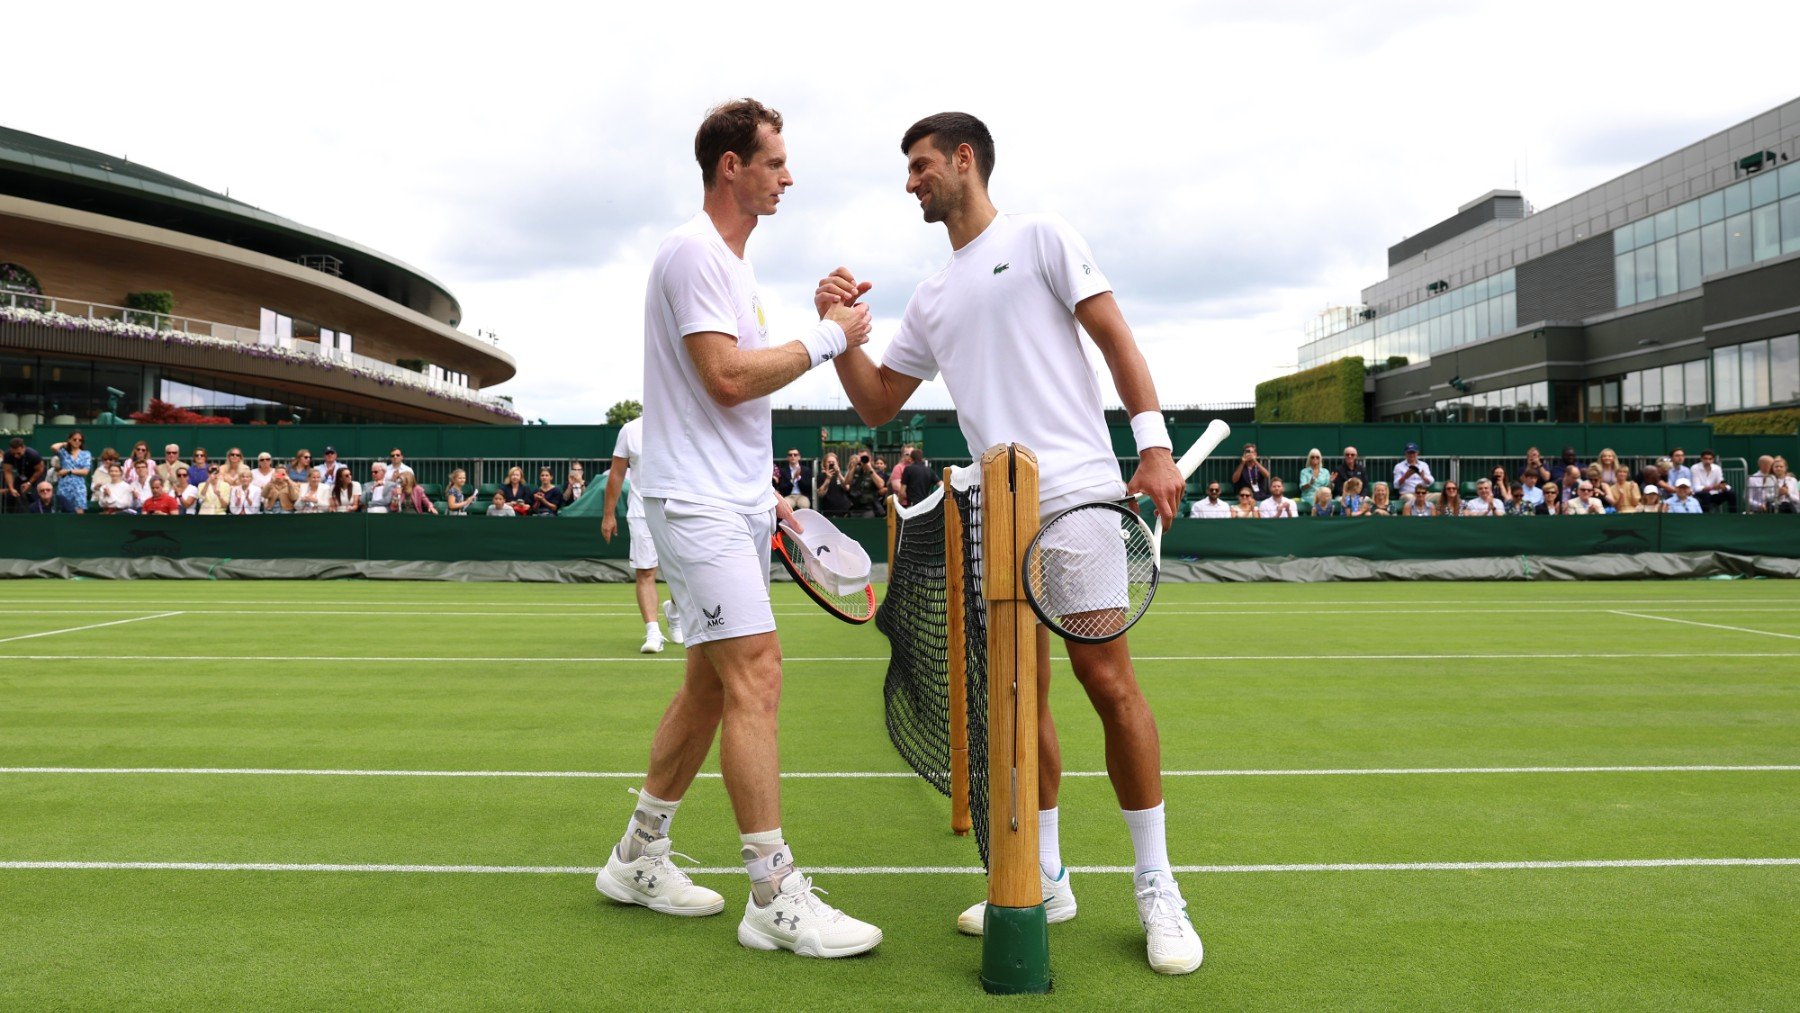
[1236, 166]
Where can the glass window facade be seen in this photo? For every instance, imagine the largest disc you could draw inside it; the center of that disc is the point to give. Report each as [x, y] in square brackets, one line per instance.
[1674, 393]
[1459, 316]
[1757, 374]
[1748, 222]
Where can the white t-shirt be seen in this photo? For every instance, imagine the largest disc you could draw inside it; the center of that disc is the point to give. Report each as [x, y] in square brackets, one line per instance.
[698, 450]
[1273, 507]
[998, 321]
[1207, 509]
[1479, 507]
[630, 445]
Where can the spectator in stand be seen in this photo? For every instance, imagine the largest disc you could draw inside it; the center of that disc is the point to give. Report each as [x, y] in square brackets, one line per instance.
[1568, 460]
[1246, 505]
[1683, 502]
[1502, 485]
[281, 495]
[1485, 504]
[22, 470]
[1592, 477]
[329, 467]
[793, 479]
[576, 483]
[1314, 477]
[198, 469]
[166, 469]
[547, 499]
[409, 498]
[1584, 504]
[1531, 490]
[234, 466]
[1324, 505]
[300, 467]
[1624, 497]
[1678, 467]
[344, 493]
[1761, 491]
[1277, 505]
[456, 499]
[263, 474]
[1534, 465]
[1650, 501]
[378, 494]
[1419, 503]
[101, 474]
[1381, 502]
[140, 451]
[185, 492]
[1355, 504]
[45, 500]
[1552, 504]
[832, 489]
[917, 481]
[160, 501]
[1251, 474]
[115, 495]
[515, 492]
[313, 498]
[1611, 471]
[1412, 471]
[868, 490]
[1571, 479]
[73, 464]
[501, 506]
[886, 481]
[397, 467]
[245, 498]
[139, 477]
[1212, 507]
[1350, 468]
[1710, 487]
[1450, 501]
[215, 494]
[1518, 506]
[1786, 497]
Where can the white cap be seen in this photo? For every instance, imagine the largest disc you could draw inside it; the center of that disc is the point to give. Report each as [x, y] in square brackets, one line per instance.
[1651, 490]
[1683, 481]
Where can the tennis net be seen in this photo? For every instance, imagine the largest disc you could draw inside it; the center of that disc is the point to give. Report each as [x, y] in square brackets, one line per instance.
[914, 616]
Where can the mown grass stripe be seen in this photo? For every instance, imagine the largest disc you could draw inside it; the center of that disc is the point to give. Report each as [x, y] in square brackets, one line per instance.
[834, 775]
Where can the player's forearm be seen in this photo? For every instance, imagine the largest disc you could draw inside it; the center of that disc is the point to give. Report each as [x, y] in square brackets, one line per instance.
[869, 393]
[745, 375]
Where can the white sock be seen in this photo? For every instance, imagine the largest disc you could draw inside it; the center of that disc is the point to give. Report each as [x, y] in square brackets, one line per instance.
[1049, 843]
[768, 860]
[652, 630]
[1147, 839]
[649, 823]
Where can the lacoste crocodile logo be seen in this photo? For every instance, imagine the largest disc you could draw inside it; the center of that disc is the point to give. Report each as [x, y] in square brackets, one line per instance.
[1001, 267]
[715, 617]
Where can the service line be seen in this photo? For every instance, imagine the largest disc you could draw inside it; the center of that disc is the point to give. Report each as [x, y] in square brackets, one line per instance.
[835, 775]
[90, 626]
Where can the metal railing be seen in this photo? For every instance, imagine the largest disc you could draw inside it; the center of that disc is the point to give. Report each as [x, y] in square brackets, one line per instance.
[246, 336]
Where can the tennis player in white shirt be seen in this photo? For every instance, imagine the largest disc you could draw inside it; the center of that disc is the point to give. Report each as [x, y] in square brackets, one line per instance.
[999, 322]
[709, 368]
[627, 451]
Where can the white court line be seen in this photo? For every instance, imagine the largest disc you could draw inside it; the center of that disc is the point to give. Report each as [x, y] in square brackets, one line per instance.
[677, 658]
[90, 626]
[919, 870]
[625, 608]
[836, 775]
[821, 613]
[1716, 626]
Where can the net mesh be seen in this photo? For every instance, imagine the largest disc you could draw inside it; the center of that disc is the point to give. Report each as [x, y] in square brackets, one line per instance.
[914, 618]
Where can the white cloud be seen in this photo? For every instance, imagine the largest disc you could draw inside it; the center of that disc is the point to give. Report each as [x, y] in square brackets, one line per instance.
[1237, 167]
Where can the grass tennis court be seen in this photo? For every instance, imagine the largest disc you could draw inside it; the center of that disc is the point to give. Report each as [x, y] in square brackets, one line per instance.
[1323, 742]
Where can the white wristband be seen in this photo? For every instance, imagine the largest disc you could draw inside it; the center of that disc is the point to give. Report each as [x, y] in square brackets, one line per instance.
[1150, 431]
[824, 342]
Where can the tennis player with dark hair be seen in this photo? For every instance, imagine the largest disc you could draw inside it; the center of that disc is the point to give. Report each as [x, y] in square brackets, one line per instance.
[709, 368]
[999, 322]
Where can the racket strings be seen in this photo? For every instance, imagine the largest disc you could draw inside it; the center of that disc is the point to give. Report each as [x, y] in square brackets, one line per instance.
[856, 606]
[1091, 571]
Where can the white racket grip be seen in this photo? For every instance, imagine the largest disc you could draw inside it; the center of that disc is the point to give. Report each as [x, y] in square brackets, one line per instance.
[1209, 441]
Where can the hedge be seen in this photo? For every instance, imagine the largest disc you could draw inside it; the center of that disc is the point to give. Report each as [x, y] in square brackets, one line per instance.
[1329, 393]
[1775, 422]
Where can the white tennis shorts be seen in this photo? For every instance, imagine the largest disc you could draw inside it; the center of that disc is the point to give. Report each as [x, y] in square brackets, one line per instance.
[1084, 561]
[717, 564]
[643, 547]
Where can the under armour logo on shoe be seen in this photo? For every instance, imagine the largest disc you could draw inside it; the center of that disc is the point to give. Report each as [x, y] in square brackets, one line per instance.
[649, 883]
[793, 921]
[715, 617]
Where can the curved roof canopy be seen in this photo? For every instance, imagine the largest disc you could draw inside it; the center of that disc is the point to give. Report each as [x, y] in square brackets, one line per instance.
[41, 169]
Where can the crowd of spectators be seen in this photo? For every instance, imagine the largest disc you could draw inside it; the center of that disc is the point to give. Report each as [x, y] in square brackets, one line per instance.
[861, 489]
[1565, 486]
[71, 479]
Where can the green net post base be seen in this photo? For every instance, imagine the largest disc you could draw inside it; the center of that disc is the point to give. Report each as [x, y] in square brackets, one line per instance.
[1015, 951]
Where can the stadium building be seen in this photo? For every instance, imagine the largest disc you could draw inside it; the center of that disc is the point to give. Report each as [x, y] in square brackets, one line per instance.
[271, 321]
[1669, 293]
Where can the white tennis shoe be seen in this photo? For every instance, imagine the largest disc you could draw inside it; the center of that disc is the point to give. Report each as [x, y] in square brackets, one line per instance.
[1169, 937]
[653, 643]
[1059, 905]
[798, 920]
[654, 881]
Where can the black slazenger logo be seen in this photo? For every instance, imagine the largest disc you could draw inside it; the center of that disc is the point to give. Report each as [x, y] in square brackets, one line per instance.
[1620, 535]
[715, 617]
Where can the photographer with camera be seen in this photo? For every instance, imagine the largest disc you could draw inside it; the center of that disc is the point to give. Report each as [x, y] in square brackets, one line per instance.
[1412, 472]
[1251, 474]
[831, 491]
[868, 490]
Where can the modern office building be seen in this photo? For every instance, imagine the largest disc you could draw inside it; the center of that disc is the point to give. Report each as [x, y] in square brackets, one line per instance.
[1669, 293]
[272, 321]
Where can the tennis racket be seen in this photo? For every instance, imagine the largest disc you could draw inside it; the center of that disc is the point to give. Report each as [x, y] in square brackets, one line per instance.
[853, 599]
[1092, 570]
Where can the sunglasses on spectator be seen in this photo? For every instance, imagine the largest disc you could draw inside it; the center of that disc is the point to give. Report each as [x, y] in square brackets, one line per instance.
[394, 454]
[234, 454]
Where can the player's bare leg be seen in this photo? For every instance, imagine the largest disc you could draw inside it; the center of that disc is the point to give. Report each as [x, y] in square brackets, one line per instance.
[646, 601]
[1134, 764]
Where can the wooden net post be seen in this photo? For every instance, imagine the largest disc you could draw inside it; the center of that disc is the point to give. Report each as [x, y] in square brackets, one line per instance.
[893, 526]
[1015, 954]
[957, 645]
